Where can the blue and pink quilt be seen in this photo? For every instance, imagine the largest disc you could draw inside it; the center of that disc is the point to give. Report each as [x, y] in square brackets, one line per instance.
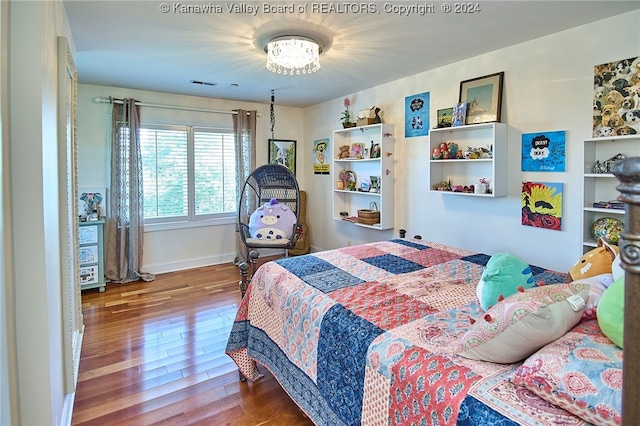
[366, 335]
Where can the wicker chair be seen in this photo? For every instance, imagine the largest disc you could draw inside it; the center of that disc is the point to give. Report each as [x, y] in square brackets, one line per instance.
[270, 181]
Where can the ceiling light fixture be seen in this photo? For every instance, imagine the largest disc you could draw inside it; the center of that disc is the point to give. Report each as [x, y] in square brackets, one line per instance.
[293, 55]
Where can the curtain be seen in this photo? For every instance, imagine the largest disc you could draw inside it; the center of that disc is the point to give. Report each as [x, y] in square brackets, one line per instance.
[125, 234]
[244, 127]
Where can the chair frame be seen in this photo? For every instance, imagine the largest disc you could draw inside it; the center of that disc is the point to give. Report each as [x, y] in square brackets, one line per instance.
[269, 181]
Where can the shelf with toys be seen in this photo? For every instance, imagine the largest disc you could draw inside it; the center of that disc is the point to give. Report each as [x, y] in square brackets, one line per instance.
[600, 207]
[469, 160]
[362, 174]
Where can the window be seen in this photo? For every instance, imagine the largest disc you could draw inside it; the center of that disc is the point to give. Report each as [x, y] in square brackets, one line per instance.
[189, 173]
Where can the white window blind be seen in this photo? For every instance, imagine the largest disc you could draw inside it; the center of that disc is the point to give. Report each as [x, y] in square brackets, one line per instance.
[215, 176]
[189, 174]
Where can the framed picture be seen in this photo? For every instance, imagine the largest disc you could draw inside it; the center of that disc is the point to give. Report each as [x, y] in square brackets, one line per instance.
[283, 151]
[357, 150]
[445, 118]
[459, 114]
[90, 199]
[483, 96]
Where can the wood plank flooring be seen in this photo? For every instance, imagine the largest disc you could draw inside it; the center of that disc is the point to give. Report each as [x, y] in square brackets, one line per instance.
[153, 353]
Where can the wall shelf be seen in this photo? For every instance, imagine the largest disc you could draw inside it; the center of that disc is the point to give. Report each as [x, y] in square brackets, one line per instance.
[598, 187]
[374, 135]
[466, 172]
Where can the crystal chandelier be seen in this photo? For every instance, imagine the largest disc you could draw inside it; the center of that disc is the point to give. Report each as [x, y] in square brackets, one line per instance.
[293, 55]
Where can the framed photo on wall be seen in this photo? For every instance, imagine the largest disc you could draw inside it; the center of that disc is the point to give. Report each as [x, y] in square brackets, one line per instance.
[483, 96]
[283, 151]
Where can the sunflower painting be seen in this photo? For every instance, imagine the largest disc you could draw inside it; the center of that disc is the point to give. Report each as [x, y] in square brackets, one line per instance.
[542, 205]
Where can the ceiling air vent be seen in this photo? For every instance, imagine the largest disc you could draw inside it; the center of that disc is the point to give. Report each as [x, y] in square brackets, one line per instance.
[203, 83]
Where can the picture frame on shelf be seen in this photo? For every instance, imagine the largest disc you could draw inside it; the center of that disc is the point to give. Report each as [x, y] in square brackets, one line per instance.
[459, 114]
[445, 118]
[283, 151]
[483, 96]
[357, 150]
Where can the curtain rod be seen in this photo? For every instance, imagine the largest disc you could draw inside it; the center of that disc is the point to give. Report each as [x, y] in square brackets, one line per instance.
[112, 100]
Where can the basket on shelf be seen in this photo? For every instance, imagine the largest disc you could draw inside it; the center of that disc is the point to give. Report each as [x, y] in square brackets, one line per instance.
[369, 216]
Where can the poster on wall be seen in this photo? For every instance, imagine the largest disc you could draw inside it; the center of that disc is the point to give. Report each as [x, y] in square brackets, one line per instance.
[416, 115]
[542, 205]
[544, 152]
[320, 161]
[616, 98]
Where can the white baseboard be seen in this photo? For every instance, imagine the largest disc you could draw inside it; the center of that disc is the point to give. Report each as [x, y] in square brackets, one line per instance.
[161, 268]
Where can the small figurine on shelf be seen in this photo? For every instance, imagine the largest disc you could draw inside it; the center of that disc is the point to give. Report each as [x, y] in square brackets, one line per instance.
[374, 152]
[436, 154]
[377, 119]
[443, 186]
[483, 186]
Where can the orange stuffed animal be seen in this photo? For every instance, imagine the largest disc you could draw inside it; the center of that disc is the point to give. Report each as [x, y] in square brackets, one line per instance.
[595, 269]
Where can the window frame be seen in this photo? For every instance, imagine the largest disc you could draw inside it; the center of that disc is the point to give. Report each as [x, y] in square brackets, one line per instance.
[190, 220]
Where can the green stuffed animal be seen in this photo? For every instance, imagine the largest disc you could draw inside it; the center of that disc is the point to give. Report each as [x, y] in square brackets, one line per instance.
[504, 273]
[610, 312]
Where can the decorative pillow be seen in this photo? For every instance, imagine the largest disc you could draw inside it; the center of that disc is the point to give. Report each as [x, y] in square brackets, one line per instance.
[611, 312]
[523, 323]
[272, 221]
[502, 276]
[580, 372]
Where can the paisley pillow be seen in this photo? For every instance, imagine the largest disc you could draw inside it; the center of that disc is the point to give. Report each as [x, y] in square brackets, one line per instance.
[580, 372]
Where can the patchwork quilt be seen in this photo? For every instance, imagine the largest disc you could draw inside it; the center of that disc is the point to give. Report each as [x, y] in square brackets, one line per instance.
[366, 335]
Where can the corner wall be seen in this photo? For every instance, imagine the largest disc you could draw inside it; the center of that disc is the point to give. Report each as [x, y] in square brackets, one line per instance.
[183, 247]
[548, 86]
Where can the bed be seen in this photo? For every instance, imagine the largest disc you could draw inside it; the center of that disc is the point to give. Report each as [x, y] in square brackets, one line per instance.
[375, 334]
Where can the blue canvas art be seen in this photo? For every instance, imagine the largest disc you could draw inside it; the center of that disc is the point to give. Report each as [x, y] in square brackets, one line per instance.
[544, 152]
[416, 115]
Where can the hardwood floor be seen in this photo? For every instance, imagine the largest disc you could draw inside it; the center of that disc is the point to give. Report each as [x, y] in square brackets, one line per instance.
[153, 353]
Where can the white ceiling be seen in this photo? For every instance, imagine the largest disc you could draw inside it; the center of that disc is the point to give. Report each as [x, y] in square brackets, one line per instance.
[133, 44]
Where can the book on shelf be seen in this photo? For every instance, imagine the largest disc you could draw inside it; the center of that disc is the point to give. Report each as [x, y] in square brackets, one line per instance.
[609, 205]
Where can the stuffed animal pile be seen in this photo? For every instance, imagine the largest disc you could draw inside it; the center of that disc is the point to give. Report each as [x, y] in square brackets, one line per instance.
[506, 274]
[595, 269]
[601, 269]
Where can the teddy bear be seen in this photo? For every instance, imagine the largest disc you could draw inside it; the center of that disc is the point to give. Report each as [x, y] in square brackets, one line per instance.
[344, 152]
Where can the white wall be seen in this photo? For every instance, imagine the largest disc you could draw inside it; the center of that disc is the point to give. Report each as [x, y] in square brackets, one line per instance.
[32, 205]
[8, 409]
[548, 86]
[176, 249]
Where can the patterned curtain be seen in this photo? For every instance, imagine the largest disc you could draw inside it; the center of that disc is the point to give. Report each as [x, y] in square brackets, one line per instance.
[125, 235]
[244, 126]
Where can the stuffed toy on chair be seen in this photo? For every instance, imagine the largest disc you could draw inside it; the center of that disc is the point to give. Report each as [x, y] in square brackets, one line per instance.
[503, 275]
[595, 268]
[272, 221]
